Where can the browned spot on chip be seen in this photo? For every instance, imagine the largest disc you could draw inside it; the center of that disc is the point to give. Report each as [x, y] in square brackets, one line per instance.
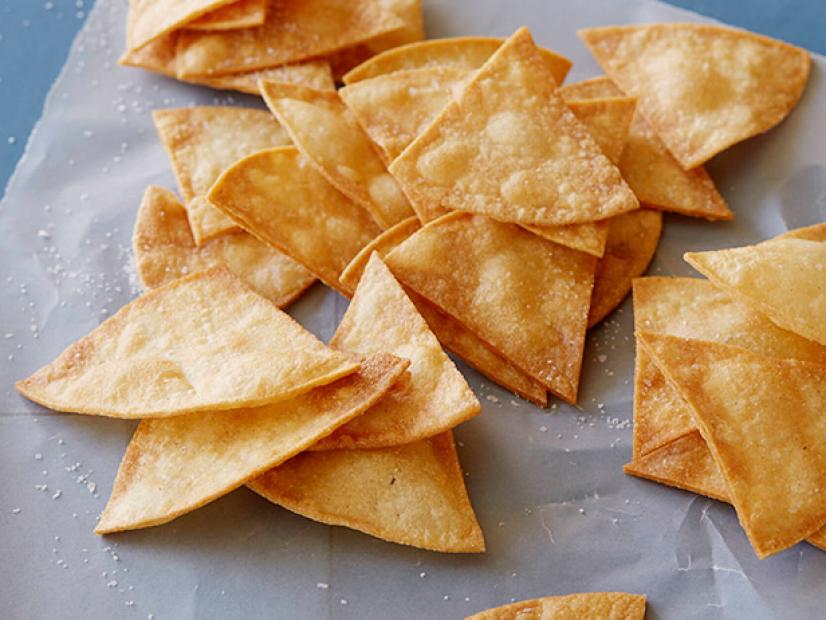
[580, 606]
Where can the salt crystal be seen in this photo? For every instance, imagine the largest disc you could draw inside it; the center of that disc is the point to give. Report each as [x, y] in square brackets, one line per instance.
[322, 586]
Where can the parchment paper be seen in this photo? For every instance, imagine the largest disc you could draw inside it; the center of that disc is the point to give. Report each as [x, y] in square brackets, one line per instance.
[557, 511]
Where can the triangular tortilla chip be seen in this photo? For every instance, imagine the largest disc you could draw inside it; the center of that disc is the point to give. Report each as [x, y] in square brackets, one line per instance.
[239, 14]
[509, 147]
[157, 56]
[785, 279]
[702, 87]
[452, 334]
[816, 232]
[631, 242]
[657, 179]
[204, 342]
[580, 606]
[175, 465]
[165, 250]
[763, 420]
[294, 30]
[694, 308]
[327, 133]
[201, 143]
[381, 245]
[278, 196]
[150, 19]
[525, 296]
[466, 53]
[413, 495]
[382, 318]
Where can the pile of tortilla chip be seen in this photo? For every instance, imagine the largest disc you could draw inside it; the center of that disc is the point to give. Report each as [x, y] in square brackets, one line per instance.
[231, 44]
[579, 606]
[730, 385]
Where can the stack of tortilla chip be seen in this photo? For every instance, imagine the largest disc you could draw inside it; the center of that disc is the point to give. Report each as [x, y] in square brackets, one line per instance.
[579, 606]
[231, 44]
[730, 385]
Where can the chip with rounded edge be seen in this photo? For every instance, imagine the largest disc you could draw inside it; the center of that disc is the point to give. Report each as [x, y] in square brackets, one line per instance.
[580, 606]
[278, 196]
[702, 87]
[203, 342]
[239, 14]
[412, 495]
[165, 250]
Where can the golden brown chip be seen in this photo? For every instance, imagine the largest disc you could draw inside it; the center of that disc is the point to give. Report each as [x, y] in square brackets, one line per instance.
[702, 87]
[203, 342]
[694, 308]
[816, 232]
[413, 495]
[150, 19]
[525, 296]
[631, 242]
[466, 53]
[201, 143]
[157, 56]
[382, 245]
[580, 606]
[763, 420]
[657, 179]
[278, 196]
[173, 466]
[510, 148]
[410, 13]
[328, 134]
[165, 250]
[294, 30]
[785, 279]
[239, 14]
[381, 318]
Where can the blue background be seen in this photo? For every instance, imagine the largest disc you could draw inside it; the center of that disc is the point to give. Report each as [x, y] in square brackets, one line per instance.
[35, 36]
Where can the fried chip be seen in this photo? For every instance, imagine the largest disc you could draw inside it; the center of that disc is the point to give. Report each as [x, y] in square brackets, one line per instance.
[580, 606]
[631, 242]
[381, 318]
[525, 296]
[201, 143]
[410, 13]
[165, 250]
[785, 279]
[158, 56]
[510, 148]
[382, 245]
[694, 308]
[150, 19]
[294, 30]
[702, 87]
[278, 197]
[657, 179]
[239, 14]
[173, 466]
[413, 494]
[816, 232]
[466, 53]
[204, 342]
[763, 420]
[326, 132]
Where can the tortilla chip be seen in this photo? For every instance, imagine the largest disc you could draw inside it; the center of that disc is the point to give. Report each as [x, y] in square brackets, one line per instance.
[201, 143]
[239, 14]
[816, 232]
[592, 88]
[277, 196]
[452, 334]
[702, 87]
[525, 296]
[763, 420]
[150, 19]
[508, 147]
[466, 53]
[204, 342]
[581, 606]
[165, 250]
[785, 279]
[173, 466]
[412, 495]
[294, 30]
[410, 13]
[631, 242]
[158, 56]
[327, 133]
[382, 245]
[382, 318]
[694, 308]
